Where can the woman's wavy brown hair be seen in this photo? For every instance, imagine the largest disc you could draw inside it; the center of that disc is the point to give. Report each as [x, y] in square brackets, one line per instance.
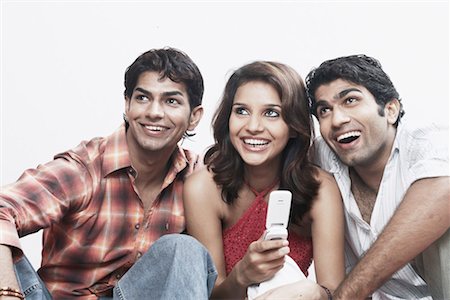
[297, 172]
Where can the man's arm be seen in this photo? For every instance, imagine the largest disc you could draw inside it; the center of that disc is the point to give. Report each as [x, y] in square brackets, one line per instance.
[24, 207]
[7, 275]
[422, 217]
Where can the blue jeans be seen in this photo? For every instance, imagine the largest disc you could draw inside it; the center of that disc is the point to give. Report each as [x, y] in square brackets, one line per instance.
[176, 267]
[31, 285]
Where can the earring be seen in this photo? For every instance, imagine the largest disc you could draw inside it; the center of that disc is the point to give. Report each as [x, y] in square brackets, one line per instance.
[125, 118]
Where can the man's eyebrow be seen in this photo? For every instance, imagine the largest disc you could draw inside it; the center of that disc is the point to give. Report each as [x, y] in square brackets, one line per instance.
[173, 93]
[320, 103]
[346, 91]
[144, 91]
[169, 93]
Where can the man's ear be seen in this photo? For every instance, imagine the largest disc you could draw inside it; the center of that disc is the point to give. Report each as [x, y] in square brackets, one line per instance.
[127, 107]
[127, 103]
[196, 115]
[392, 110]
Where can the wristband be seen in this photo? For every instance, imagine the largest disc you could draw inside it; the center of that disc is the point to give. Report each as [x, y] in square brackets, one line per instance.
[328, 292]
[7, 291]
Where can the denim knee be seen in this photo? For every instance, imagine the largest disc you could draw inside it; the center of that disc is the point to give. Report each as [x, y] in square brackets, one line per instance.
[175, 239]
[176, 266]
[191, 250]
[184, 245]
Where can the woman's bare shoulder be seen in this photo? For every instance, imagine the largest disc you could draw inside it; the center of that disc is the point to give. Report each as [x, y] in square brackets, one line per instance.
[201, 186]
[202, 177]
[323, 176]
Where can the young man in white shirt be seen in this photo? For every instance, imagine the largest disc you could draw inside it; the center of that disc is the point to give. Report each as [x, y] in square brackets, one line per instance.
[394, 183]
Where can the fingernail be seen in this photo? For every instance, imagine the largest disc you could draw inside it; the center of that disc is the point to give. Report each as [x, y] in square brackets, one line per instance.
[284, 250]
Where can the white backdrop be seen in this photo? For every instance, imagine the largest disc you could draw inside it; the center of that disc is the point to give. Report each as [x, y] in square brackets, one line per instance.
[62, 63]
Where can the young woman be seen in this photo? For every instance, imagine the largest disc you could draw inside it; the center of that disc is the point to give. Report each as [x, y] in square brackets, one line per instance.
[262, 133]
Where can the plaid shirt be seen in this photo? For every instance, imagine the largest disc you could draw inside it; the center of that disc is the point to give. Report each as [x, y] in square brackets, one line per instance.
[94, 223]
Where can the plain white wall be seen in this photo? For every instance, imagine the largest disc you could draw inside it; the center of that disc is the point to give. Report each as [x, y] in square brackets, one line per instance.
[62, 63]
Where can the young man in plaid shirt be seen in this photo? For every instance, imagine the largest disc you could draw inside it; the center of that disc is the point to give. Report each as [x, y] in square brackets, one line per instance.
[106, 202]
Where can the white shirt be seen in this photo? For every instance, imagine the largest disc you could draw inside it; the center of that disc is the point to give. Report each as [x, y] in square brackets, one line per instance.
[416, 154]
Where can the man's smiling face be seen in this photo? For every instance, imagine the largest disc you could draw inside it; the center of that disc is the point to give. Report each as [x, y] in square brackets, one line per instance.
[353, 124]
[158, 113]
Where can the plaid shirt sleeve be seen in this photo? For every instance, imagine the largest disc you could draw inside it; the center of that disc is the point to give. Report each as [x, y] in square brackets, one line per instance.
[42, 196]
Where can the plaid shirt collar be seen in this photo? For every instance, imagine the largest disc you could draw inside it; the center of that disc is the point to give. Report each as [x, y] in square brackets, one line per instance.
[117, 157]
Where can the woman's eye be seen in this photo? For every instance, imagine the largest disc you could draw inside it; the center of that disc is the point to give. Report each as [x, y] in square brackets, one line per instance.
[272, 113]
[241, 111]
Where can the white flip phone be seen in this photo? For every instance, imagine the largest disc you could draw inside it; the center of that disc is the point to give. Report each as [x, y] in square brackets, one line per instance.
[278, 215]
